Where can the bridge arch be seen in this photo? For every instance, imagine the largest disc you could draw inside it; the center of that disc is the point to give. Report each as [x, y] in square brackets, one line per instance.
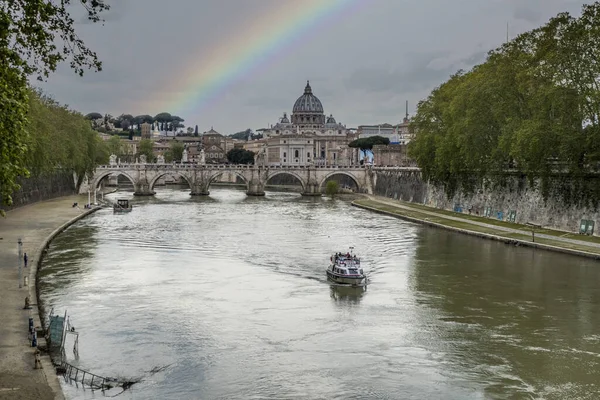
[290, 173]
[217, 174]
[344, 173]
[100, 177]
[174, 172]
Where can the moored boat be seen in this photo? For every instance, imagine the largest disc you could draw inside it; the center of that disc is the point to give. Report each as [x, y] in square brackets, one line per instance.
[122, 206]
[345, 268]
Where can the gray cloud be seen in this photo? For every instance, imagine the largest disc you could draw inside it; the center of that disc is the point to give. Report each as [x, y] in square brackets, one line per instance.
[363, 65]
[421, 72]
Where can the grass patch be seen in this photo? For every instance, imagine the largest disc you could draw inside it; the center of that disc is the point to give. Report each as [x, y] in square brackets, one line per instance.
[492, 221]
[414, 212]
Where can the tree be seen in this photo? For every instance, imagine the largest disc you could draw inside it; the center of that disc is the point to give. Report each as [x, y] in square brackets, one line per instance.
[531, 107]
[368, 142]
[243, 135]
[240, 156]
[332, 188]
[29, 31]
[115, 146]
[164, 119]
[93, 116]
[176, 150]
[146, 147]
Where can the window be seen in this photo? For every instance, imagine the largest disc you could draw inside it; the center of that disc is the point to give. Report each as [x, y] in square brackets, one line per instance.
[284, 154]
[296, 154]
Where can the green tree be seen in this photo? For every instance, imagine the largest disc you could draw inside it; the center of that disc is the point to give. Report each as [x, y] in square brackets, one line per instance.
[531, 108]
[93, 116]
[146, 147]
[332, 188]
[176, 150]
[29, 31]
[115, 146]
[240, 156]
[243, 135]
[368, 142]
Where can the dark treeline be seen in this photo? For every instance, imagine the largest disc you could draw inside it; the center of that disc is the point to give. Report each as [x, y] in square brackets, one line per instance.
[531, 108]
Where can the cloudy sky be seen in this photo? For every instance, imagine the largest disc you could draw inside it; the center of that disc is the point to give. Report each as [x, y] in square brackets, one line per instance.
[215, 62]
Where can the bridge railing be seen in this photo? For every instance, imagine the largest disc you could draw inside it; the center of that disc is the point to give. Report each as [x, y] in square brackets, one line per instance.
[226, 166]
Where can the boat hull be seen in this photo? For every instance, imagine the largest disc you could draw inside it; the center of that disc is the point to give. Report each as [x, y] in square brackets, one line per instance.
[345, 279]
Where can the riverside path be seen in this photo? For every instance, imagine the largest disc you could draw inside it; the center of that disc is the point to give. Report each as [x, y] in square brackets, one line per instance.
[33, 224]
[566, 242]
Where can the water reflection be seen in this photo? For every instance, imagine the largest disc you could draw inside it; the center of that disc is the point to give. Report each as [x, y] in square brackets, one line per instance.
[347, 294]
[511, 315]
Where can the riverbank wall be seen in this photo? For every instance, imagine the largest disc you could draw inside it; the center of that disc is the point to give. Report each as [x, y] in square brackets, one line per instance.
[38, 311]
[44, 187]
[518, 201]
[424, 220]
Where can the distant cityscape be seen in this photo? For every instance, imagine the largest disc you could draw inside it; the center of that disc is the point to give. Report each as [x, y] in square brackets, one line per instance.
[306, 137]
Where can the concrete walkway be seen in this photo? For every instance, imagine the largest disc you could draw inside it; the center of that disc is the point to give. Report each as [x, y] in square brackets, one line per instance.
[593, 247]
[33, 224]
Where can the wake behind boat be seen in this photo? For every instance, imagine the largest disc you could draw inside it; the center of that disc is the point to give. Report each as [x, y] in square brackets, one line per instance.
[345, 268]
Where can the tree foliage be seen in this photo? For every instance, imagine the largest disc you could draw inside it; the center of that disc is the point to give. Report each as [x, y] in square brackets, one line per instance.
[368, 142]
[242, 135]
[240, 156]
[30, 36]
[531, 108]
[146, 147]
[332, 188]
[176, 150]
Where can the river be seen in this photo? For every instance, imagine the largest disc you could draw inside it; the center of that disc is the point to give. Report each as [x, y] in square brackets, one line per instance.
[230, 293]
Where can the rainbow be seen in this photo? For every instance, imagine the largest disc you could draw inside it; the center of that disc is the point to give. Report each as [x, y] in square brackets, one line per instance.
[261, 42]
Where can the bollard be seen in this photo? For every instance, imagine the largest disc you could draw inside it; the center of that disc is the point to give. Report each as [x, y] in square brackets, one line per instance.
[34, 339]
[38, 361]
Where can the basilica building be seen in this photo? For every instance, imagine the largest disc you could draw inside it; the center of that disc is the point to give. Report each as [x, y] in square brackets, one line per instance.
[308, 137]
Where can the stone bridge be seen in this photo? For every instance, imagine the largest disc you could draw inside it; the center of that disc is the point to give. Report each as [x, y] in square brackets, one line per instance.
[200, 176]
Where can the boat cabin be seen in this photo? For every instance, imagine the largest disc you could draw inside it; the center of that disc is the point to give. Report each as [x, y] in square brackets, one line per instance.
[123, 203]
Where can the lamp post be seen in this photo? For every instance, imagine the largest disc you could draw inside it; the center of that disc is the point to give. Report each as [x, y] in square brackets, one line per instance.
[89, 199]
[20, 248]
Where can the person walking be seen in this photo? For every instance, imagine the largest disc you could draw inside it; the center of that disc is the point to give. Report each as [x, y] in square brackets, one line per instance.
[25, 259]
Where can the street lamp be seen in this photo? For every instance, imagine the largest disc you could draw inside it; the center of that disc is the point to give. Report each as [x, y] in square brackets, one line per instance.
[20, 247]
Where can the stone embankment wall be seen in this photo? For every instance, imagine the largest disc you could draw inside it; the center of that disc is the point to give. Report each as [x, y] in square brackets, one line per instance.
[40, 188]
[518, 195]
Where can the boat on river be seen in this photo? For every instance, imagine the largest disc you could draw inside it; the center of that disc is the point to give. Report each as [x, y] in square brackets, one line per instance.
[345, 269]
[122, 206]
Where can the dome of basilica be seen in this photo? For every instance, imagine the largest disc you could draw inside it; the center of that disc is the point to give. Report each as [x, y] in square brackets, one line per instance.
[308, 103]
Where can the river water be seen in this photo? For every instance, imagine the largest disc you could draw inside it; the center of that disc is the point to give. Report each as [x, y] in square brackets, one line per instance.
[230, 293]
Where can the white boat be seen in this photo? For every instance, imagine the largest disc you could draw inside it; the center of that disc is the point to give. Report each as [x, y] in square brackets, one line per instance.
[345, 268]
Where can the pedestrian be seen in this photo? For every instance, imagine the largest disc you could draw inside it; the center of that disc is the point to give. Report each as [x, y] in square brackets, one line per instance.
[25, 259]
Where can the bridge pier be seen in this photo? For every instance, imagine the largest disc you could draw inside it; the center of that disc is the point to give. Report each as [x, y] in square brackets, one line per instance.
[143, 189]
[200, 189]
[311, 189]
[256, 189]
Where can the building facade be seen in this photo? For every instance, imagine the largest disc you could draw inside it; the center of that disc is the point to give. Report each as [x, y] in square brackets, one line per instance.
[307, 138]
[397, 134]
